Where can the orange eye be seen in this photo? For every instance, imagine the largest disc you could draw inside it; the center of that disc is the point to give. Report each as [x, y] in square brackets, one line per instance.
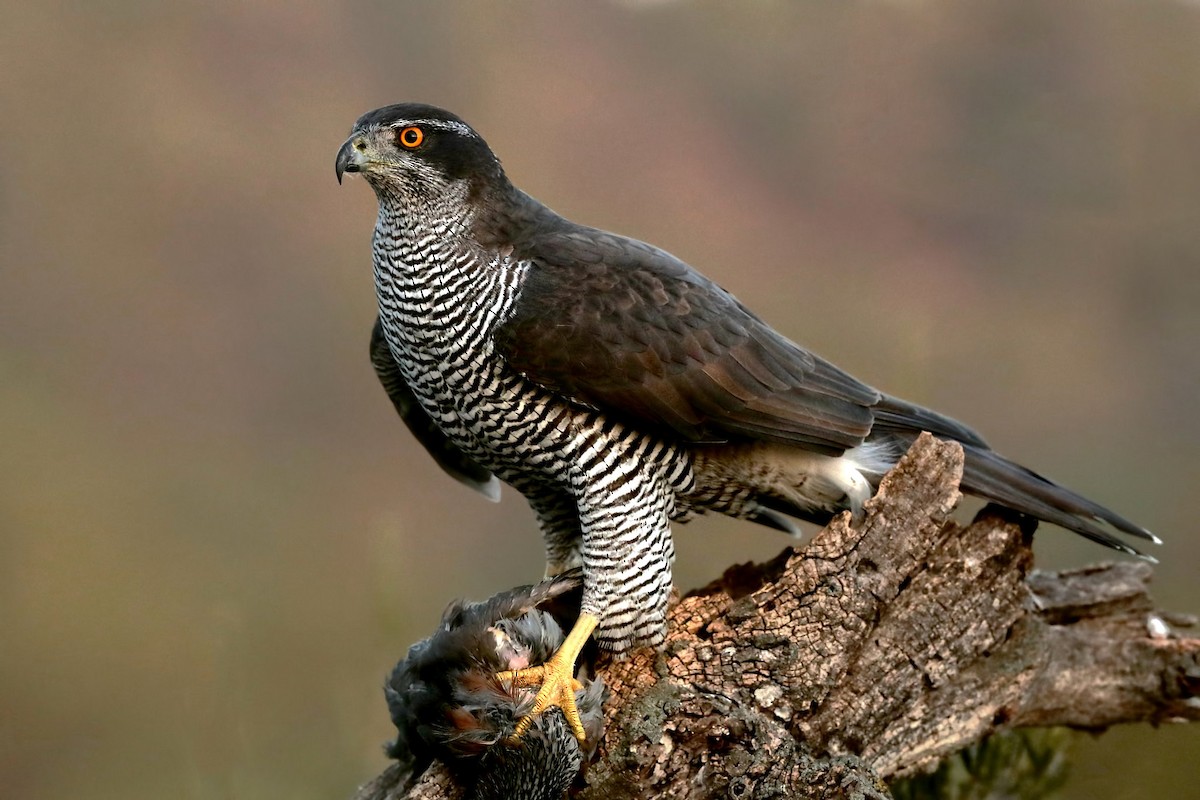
[411, 137]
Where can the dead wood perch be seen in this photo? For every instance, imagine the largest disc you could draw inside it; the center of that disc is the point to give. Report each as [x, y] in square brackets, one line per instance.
[875, 651]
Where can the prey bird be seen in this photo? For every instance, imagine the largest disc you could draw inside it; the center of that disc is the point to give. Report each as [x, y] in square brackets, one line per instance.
[616, 387]
[448, 702]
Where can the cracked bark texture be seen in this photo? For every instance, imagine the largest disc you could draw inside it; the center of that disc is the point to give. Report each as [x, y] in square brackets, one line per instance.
[872, 653]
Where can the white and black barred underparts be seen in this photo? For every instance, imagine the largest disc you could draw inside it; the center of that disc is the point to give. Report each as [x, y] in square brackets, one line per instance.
[604, 493]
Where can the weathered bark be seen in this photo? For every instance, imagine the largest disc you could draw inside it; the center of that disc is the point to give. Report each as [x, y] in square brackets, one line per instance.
[875, 651]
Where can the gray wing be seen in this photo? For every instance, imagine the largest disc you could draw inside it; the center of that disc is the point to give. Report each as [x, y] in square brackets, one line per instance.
[621, 326]
[455, 462]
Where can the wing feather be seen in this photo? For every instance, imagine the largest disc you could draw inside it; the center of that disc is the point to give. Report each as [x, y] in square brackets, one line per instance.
[455, 462]
[621, 326]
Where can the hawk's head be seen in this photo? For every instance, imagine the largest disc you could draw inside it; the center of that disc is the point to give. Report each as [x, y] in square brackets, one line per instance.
[413, 153]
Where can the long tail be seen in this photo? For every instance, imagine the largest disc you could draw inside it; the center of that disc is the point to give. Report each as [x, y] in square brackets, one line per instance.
[991, 476]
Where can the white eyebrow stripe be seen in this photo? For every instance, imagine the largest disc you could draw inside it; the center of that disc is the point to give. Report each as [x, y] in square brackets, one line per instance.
[443, 124]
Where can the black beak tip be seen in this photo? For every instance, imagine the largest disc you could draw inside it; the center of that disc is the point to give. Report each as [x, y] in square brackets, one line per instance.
[342, 167]
[344, 162]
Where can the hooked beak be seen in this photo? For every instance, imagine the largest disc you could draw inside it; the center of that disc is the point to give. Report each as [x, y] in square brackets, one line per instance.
[350, 158]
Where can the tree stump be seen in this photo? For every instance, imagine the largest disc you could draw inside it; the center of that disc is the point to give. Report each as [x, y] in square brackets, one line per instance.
[872, 653]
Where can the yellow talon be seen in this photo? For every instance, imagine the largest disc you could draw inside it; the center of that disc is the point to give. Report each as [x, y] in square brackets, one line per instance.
[530, 676]
[557, 678]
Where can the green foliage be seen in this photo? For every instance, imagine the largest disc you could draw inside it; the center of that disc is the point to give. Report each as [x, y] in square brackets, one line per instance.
[1022, 764]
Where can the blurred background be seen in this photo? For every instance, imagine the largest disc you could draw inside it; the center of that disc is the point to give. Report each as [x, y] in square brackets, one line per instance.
[215, 536]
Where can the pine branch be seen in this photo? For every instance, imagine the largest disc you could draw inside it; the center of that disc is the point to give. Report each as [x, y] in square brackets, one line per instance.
[874, 652]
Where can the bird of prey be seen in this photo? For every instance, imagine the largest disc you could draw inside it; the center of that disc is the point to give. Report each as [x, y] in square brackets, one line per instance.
[447, 702]
[616, 387]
